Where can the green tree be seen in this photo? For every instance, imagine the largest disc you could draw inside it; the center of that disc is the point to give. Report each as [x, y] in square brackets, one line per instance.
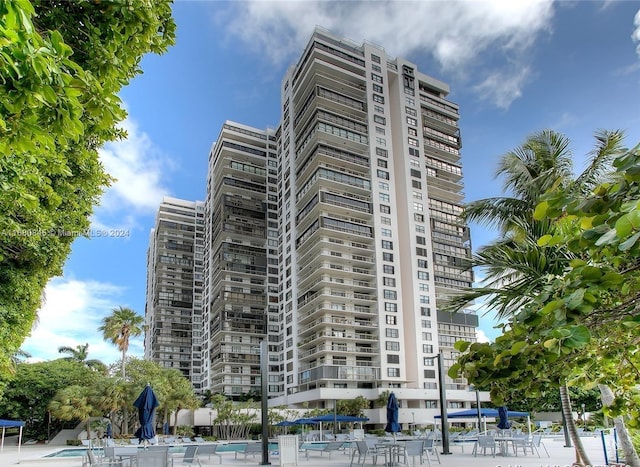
[63, 64]
[80, 354]
[74, 403]
[516, 267]
[122, 324]
[33, 386]
[354, 407]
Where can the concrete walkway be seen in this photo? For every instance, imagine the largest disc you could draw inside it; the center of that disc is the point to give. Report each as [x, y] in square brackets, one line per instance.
[32, 455]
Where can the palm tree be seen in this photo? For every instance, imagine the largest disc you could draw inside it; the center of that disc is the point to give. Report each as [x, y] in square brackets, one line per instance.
[515, 266]
[80, 354]
[119, 327]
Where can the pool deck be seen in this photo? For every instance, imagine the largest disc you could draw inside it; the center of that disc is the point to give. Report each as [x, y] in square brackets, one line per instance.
[32, 456]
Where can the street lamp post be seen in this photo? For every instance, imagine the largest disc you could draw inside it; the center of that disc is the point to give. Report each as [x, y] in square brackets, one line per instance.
[210, 423]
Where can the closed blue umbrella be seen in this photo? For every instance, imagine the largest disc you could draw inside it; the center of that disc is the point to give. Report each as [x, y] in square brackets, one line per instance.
[165, 428]
[392, 415]
[503, 415]
[146, 404]
[109, 430]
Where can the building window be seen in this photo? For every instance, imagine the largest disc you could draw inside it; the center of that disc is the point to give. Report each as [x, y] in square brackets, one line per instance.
[416, 173]
[382, 163]
[389, 281]
[414, 152]
[418, 217]
[387, 257]
[375, 58]
[380, 130]
[425, 311]
[384, 186]
[387, 245]
[416, 184]
[423, 263]
[376, 68]
[390, 294]
[423, 275]
[377, 88]
[385, 220]
[382, 152]
[391, 307]
[421, 240]
[376, 78]
[378, 98]
[418, 206]
[378, 109]
[423, 287]
[392, 346]
[385, 209]
[381, 141]
[411, 111]
[391, 332]
[424, 299]
[388, 269]
[412, 131]
[386, 232]
[384, 197]
[431, 404]
[393, 372]
[412, 121]
[413, 142]
[391, 320]
[383, 174]
[393, 359]
[379, 119]
[410, 100]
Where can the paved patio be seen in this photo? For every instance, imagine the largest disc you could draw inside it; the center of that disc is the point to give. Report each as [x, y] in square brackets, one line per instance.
[32, 455]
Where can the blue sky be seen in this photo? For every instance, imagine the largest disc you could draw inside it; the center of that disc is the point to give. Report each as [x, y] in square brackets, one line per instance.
[514, 68]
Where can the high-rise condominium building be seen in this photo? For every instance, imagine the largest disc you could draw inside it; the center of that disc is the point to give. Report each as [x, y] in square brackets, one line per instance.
[173, 312]
[337, 238]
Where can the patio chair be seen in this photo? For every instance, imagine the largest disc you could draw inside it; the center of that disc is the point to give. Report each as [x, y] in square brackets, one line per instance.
[363, 450]
[413, 449]
[190, 457]
[430, 449]
[91, 459]
[329, 447]
[536, 442]
[209, 450]
[485, 442]
[199, 439]
[250, 449]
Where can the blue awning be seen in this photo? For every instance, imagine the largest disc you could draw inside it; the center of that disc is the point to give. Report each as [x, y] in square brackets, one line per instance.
[9, 423]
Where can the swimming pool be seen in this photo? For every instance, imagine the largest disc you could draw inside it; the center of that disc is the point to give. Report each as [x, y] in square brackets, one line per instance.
[79, 452]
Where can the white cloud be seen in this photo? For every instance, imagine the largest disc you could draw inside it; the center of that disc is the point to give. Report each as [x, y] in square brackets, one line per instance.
[481, 336]
[70, 316]
[636, 33]
[502, 87]
[138, 167]
[456, 34]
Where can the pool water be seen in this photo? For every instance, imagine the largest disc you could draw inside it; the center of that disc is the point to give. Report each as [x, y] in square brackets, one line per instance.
[79, 452]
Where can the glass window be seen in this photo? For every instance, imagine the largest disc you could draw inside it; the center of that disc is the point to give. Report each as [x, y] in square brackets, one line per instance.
[390, 294]
[393, 346]
[390, 319]
[391, 332]
[387, 245]
[385, 209]
[391, 307]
